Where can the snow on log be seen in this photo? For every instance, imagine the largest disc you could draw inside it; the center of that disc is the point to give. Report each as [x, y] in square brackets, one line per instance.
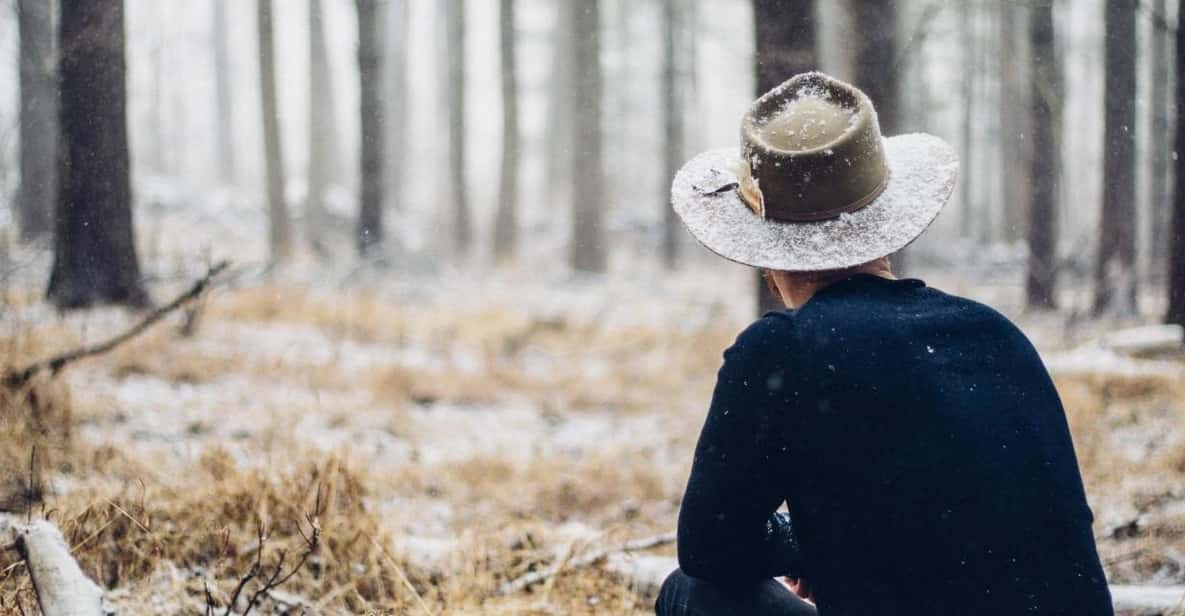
[1135, 600]
[61, 586]
[646, 573]
[1145, 341]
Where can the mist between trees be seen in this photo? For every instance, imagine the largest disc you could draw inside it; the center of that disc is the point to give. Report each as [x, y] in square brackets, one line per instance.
[422, 132]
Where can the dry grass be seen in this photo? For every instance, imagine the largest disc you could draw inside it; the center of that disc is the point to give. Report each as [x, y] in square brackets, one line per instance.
[1131, 447]
[156, 523]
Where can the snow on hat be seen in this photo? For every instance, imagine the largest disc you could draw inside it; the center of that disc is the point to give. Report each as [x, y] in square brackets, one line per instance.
[816, 187]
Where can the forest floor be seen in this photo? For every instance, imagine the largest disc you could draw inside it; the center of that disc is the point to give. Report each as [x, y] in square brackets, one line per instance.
[448, 434]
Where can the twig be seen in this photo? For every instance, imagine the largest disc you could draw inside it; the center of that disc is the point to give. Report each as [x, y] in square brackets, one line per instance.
[55, 364]
[209, 599]
[278, 576]
[542, 575]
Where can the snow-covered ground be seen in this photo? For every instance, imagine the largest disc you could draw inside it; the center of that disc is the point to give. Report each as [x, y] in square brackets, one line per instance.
[482, 409]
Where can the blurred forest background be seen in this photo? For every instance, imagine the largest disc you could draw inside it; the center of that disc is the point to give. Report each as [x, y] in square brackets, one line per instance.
[457, 298]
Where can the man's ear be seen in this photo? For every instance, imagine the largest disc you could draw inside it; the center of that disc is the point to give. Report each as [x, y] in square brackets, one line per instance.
[770, 284]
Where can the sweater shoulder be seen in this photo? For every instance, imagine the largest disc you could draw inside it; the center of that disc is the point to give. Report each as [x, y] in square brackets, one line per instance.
[770, 336]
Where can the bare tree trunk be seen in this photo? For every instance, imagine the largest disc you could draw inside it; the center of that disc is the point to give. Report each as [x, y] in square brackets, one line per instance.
[321, 126]
[395, 50]
[1160, 189]
[785, 35]
[159, 154]
[967, 184]
[876, 59]
[222, 96]
[506, 219]
[370, 54]
[672, 109]
[587, 250]
[1043, 157]
[38, 122]
[1016, 88]
[455, 39]
[279, 233]
[875, 69]
[94, 249]
[1115, 275]
[990, 124]
[559, 112]
[1176, 310]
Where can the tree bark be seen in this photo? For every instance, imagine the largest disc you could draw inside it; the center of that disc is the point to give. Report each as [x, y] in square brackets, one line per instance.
[559, 111]
[1176, 309]
[506, 219]
[876, 59]
[1043, 157]
[968, 183]
[1160, 188]
[672, 110]
[94, 249]
[455, 40]
[1115, 276]
[1016, 88]
[370, 213]
[279, 233]
[322, 135]
[587, 249]
[395, 53]
[38, 120]
[785, 36]
[876, 69]
[222, 96]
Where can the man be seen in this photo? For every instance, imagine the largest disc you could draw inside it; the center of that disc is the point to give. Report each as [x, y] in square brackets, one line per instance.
[915, 437]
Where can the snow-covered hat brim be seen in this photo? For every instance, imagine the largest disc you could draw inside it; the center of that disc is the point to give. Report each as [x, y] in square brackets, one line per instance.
[923, 170]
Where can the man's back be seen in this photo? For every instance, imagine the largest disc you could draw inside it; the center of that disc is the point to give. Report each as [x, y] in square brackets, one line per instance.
[928, 465]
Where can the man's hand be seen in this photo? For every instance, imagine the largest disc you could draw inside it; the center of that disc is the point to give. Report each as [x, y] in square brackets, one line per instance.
[800, 587]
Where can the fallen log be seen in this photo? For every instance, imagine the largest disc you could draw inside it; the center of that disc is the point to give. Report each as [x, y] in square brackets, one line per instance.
[61, 587]
[1146, 341]
[586, 560]
[1139, 600]
[647, 573]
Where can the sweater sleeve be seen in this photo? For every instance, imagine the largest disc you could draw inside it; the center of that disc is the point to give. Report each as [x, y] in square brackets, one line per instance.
[729, 531]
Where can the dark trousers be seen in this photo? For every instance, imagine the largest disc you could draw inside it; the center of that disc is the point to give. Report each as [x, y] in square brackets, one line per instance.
[683, 595]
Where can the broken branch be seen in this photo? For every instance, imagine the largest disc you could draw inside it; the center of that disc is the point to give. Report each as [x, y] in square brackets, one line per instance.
[536, 577]
[54, 364]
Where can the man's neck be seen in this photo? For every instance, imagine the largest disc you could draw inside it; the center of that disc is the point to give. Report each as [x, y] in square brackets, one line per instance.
[800, 288]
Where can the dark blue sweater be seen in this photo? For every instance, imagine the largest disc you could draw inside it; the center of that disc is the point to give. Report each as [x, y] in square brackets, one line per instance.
[921, 448]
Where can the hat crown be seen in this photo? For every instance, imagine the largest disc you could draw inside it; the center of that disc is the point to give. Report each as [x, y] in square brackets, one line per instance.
[813, 150]
[807, 122]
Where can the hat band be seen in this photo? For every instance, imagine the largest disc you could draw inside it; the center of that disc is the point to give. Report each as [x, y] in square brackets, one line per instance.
[750, 193]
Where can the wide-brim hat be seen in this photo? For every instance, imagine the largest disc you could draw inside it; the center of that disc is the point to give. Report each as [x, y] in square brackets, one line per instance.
[814, 185]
